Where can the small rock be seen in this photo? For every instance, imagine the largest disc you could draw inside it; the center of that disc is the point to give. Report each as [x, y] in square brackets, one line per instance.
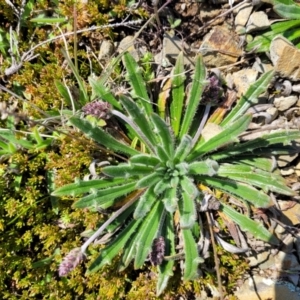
[297, 169]
[242, 16]
[284, 103]
[273, 112]
[258, 288]
[172, 46]
[287, 171]
[286, 262]
[127, 44]
[262, 67]
[282, 53]
[284, 160]
[242, 80]
[106, 50]
[264, 260]
[296, 88]
[220, 47]
[207, 12]
[189, 9]
[293, 214]
[258, 21]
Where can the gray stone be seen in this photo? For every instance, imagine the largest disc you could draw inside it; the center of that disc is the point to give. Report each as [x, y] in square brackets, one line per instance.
[273, 112]
[284, 160]
[172, 46]
[264, 260]
[258, 21]
[220, 47]
[242, 17]
[262, 67]
[282, 53]
[106, 50]
[284, 103]
[297, 169]
[243, 79]
[127, 44]
[258, 288]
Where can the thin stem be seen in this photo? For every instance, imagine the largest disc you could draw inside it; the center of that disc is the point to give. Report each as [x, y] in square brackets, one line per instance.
[110, 220]
[215, 256]
[134, 127]
[80, 31]
[155, 4]
[200, 128]
[75, 36]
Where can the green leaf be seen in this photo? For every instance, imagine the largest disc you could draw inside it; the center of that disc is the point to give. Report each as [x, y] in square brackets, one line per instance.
[105, 198]
[81, 187]
[65, 94]
[104, 93]
[164, 134]
[192, 258]
[127, 170]
[161, 186]
[250, 98]
[279, 137]
[183, 149]
[145, 203]
[121, 219]
[46, 261]
[208, 167]
[137, 83]
[176, 106]
[140, 120]
[44, 20]
[261, 43]
[227, 135]
[128, 252]
[194, 96]
[145, 159]
[246, 224]
[84, 95]
[262, 163]
[7, 148]
[241, 190]
[165, 270]
[100, 136]
[162, 154]
[147, 233]
[283, 26]
[170, 199]
[187, 206]
[265, 180]
[110, 251]
[290, 11]
[189, 187]
[8, 135]
[149, 180]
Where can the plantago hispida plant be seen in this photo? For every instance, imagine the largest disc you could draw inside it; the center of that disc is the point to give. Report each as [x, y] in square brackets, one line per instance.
[162, 176]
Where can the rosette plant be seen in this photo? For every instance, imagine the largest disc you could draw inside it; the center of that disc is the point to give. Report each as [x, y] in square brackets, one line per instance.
[156, 194]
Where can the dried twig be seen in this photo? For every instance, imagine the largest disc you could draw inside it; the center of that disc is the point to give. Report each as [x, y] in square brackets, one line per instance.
[216, 259]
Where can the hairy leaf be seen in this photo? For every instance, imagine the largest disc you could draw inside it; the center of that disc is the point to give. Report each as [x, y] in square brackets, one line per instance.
[147, 233]
[246, 224]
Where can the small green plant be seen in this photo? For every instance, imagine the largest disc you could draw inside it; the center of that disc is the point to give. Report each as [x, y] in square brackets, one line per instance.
[159, 184]
[173, 22]
[289, 29]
